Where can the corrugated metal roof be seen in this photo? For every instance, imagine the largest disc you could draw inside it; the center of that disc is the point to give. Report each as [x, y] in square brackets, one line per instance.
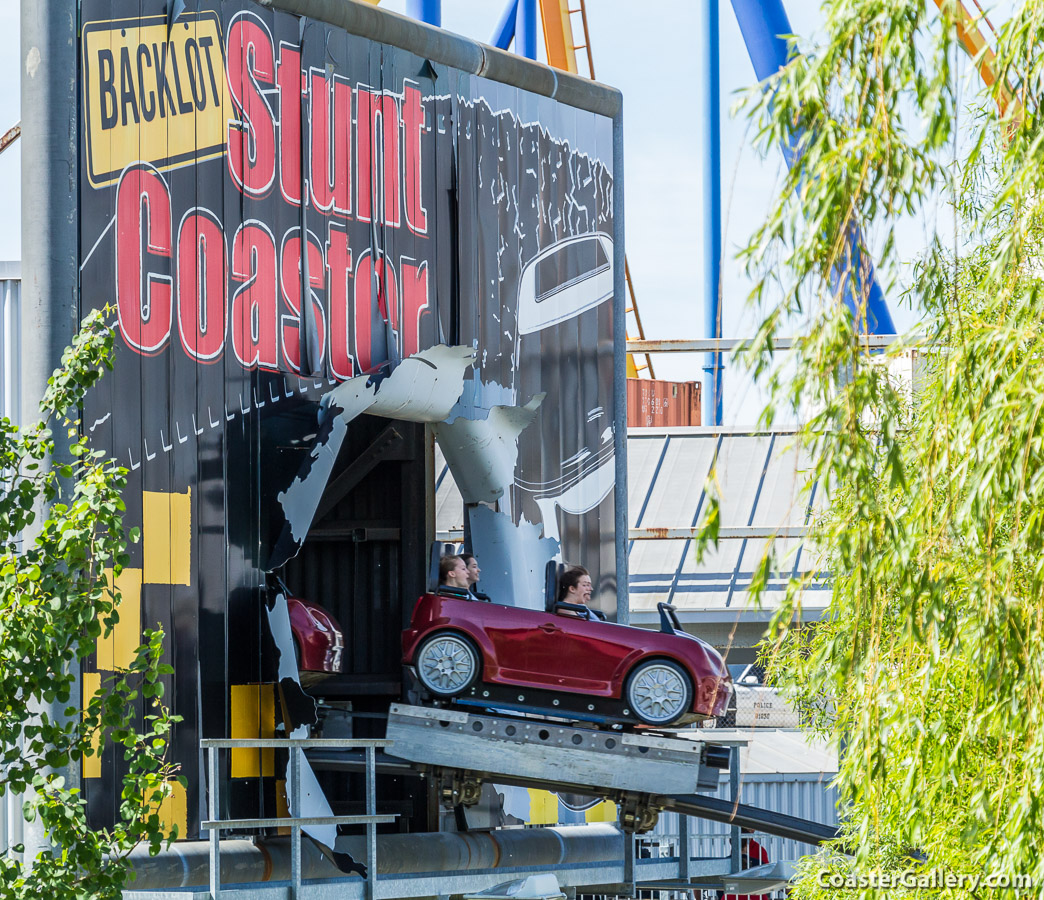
[762, 481]
[10, 292]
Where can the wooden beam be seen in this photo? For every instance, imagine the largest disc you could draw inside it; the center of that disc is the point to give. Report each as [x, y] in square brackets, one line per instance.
[388, 445]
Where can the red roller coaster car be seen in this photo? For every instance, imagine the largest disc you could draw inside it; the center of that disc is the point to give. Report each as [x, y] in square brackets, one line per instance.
[564, 661]
[318, 640]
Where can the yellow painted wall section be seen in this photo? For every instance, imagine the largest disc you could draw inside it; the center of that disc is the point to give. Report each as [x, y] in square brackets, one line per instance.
[173, 811]
[117, 649]
[543, 807]
[91, 767]
[253, 716]
[603, 812]
[282, 807]
[166, 534]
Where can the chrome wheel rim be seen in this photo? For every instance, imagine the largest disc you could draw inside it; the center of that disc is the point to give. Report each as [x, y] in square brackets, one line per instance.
[659, 693]
[446, 665]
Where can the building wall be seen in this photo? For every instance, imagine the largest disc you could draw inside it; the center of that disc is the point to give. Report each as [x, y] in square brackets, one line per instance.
[10, 290]
[805, 796]
[10, 284]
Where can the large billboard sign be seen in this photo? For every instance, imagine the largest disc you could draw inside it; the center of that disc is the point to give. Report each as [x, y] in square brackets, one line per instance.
[297, 226]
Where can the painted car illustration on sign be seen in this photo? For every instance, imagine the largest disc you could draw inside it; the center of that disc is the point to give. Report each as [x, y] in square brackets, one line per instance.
[563, 663]
[566, 282]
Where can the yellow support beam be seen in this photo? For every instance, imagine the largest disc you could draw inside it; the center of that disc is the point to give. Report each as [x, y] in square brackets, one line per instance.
[558, 35]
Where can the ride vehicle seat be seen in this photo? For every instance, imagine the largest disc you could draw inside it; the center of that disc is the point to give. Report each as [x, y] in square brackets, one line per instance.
[552, 575]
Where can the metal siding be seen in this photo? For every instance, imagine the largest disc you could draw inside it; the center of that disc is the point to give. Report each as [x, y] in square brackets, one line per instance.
[189, 418]
[814, 799]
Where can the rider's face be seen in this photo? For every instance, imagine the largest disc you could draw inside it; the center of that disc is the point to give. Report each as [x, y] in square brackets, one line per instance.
[582, 592]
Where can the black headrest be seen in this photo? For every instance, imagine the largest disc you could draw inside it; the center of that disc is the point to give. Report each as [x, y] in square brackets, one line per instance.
[552, 574]
[438, 550]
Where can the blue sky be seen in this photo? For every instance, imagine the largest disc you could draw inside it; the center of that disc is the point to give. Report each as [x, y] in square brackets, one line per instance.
[650, 54]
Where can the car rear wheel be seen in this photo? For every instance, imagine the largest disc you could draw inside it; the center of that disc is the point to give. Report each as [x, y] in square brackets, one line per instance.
[659, 692]
[447, 664]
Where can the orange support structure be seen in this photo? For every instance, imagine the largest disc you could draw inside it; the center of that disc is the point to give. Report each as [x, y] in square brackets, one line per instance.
[974, 43]
[561, 48]
[558, 34]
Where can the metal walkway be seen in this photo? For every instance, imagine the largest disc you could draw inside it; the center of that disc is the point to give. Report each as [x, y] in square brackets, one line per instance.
[459, 751]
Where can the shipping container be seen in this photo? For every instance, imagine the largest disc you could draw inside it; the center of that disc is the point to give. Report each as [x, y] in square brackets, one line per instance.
[652, 403]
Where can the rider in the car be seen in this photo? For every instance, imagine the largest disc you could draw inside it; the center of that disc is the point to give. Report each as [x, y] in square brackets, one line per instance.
[453, 578]
[575, 586]
[474, 572]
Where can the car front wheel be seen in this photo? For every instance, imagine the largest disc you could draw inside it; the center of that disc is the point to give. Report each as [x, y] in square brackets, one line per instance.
[447, 664]
[659, 692]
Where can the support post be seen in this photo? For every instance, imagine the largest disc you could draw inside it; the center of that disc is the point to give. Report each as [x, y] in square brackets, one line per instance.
[526, 29]
[371, 826]
[712, 382]
[623, 603]
[427, 11]
[504, 33]
[213, 811]
[630, 841]
[684, 851]
[50, 246]
[734, 790]
[295, 830]
[764, 24]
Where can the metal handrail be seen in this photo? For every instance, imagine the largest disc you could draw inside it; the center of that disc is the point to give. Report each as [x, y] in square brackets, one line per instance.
[215, 825]
[709, 345]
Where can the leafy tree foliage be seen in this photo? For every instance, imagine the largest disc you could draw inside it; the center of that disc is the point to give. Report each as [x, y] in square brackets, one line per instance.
[928, 668]
[56, 598]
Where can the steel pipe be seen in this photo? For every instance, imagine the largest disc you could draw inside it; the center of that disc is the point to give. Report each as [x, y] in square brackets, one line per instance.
[623, 608]
[440, 46]
[764, 24]
[429, 11]
[706, 345]
[186, 864]
[49, 312]
[712, 288]
[737, 533]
